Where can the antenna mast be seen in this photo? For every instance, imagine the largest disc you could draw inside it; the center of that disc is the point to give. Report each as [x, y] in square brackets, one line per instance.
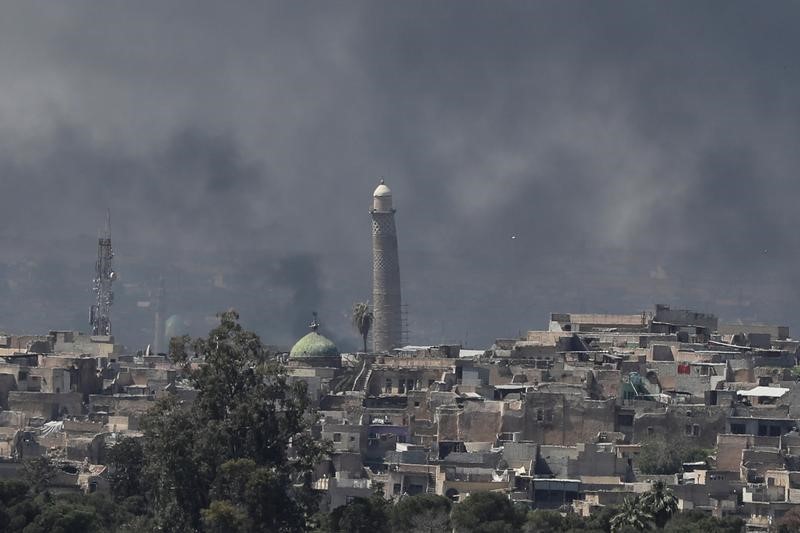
[104, 276]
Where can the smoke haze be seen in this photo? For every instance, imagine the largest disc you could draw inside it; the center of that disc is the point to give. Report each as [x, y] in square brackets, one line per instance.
[637, 152]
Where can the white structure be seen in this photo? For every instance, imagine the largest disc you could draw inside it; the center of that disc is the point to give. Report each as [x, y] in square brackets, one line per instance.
[387, 323]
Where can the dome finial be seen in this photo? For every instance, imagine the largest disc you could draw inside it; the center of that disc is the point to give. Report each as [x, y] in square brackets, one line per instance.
[382, 182]
[313, 345]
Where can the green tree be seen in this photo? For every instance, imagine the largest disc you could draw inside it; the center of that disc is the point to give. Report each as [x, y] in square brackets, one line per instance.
[362, 320]
[487, 512]
[176, 476]
[631, 515]
[108, 515]
[125, 461]
[789, 522]
[23, 512]
[543, 521]
[179, 350]
[659, 457]
[361, 515]
[427, 513]
[430, 521]
[659, 502]
[245, 410]
[223, 516]
[136, 524]
[600, 521]
[63, 517]
[38, 473]
[16, 505]
[700, 522]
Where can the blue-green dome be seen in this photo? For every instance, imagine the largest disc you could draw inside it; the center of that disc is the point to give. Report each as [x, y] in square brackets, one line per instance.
[314, 345]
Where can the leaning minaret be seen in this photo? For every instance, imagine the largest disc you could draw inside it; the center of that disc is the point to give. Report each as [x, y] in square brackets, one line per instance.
[386, 328]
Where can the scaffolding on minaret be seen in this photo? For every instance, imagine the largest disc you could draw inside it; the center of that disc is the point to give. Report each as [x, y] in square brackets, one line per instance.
[104, 276]
[404, 328]
[159, 318]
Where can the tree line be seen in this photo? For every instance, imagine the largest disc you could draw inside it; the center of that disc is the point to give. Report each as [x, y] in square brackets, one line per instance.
[28, 506]
[492, 512]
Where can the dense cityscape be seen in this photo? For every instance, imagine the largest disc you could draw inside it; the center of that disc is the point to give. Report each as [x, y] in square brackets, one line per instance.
[664, 418]
[402, 266]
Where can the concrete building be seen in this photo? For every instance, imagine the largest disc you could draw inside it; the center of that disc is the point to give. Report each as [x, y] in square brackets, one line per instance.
[387, 325]
[552, 418]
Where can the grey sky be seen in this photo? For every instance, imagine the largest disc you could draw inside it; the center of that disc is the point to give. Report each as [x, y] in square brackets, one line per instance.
[640, 152]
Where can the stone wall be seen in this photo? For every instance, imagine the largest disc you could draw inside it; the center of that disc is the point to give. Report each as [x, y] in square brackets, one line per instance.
[49, 406]
[566, 419]
[698, 423]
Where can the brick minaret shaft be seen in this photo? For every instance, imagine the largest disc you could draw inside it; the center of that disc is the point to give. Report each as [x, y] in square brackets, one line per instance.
[386, 328]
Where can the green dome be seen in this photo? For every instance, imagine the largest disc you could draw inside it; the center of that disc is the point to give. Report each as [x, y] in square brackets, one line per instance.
[314, 345]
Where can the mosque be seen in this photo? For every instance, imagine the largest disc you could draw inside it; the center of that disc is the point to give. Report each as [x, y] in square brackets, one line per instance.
[315, 350]
[315, 358]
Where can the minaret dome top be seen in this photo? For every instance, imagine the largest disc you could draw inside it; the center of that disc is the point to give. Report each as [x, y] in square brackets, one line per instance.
[382, 190]
[382, 198]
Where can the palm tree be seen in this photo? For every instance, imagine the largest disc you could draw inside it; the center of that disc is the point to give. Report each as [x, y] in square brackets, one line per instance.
[631, 515]
[660, 502]
[362, 320]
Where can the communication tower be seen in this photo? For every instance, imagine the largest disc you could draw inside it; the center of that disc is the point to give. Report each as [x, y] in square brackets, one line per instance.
[104, 276]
